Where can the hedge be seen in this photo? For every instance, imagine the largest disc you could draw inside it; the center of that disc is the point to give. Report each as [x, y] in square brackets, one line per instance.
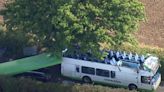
[96, 88]
[9, 84]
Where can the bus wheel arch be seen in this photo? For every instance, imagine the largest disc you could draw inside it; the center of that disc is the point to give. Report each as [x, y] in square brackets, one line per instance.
[132, 86]
[87, 79]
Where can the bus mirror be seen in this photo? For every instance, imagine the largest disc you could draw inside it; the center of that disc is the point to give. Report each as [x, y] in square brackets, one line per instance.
[137, 70]
[119, 68]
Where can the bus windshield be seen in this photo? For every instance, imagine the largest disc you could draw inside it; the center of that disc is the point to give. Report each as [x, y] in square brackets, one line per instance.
[155, 77]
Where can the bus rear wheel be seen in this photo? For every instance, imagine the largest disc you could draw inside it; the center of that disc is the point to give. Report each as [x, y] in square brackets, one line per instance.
[132, 87]
[87, 79]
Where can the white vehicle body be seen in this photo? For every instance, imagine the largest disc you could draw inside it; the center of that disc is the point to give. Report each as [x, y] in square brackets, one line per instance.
[113, 74]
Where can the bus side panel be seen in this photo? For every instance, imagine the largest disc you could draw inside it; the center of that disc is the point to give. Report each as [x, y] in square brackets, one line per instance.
[67, 69]
[144, 85]
[127, 78]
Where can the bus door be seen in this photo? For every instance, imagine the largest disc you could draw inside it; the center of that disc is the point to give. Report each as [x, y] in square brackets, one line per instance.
[145, 82]
[77, 71]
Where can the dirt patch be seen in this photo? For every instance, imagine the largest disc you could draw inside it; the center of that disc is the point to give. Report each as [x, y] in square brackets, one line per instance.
[160, 89]
[151, 31]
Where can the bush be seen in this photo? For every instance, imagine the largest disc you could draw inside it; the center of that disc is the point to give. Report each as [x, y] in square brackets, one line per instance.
[8, 84]
[12, 42]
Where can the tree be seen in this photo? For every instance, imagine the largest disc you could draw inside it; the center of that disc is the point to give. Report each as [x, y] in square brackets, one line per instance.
[63, 24]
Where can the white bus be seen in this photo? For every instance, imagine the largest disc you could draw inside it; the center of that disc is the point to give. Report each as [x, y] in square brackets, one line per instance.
[131, 72]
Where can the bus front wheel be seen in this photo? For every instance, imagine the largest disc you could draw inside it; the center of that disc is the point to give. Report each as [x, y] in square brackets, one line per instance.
[87, 79]
[132, 87]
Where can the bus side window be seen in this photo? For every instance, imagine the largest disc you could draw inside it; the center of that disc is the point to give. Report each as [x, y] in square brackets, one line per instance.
[77, 69]
[113, 74]
[145, 79]
[103, 73]
[88, 70]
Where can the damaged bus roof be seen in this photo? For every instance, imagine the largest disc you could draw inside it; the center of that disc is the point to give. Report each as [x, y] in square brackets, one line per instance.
[28, 64]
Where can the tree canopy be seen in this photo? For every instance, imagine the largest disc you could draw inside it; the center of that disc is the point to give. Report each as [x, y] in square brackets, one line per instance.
[60, 24]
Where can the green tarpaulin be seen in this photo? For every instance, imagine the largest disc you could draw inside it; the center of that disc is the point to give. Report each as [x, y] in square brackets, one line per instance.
[28, 64]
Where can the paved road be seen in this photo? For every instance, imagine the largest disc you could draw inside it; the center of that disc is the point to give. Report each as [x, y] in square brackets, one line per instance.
[160, 89]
